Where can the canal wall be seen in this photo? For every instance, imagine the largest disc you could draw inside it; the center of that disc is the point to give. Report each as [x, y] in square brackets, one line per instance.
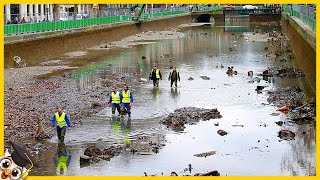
[264, 17]
[303, 41]
[39, 47]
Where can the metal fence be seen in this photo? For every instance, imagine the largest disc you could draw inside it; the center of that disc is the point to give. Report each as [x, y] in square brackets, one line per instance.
[23, 28]
[305, 13]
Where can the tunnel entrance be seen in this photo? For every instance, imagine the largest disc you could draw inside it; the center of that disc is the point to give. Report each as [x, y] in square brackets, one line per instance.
[204, 18]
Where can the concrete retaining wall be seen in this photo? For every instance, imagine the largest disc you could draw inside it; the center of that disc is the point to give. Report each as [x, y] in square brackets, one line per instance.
[54, 44]
[301, 41]
[264, 17]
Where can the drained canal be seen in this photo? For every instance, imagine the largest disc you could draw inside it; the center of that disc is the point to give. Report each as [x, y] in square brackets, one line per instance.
[251, 146]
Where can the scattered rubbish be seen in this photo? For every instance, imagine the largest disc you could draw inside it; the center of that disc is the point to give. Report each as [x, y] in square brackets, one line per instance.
[237, 125]
[274, 114]
[284, 108]
[18, 62]
[283, 72]
[205, 77]
[205, 154]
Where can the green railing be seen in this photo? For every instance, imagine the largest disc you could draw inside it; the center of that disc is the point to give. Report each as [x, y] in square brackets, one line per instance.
[15, 29]
[310, 22]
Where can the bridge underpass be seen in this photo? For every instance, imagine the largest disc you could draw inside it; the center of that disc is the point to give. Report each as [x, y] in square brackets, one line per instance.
[255, 15]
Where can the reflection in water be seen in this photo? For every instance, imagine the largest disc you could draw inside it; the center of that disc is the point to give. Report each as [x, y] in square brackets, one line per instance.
[62, 160]
[174, 92]
[156, 92]
[303, 152]
[121, 129]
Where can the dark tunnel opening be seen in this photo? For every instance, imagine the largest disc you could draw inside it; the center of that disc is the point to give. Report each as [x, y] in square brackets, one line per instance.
[203, 18]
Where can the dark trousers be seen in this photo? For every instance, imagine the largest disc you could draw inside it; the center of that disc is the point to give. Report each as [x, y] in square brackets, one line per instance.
[126, 108]
[61, 134]
[114, 107]
[156, 82]
[175, 83]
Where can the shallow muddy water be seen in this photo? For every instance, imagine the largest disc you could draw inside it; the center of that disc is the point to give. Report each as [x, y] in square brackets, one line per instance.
[253, 149]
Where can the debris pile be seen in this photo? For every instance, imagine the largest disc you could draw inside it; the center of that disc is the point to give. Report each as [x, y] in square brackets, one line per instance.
[283, 72]
[286, 135]
[299, 108]
[94, 154]
[189, 115]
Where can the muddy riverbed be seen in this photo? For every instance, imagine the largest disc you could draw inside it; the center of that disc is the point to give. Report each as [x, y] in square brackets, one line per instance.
[251, 145]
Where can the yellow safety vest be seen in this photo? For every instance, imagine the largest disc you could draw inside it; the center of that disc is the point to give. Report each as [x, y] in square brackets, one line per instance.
[62, 163]
[115, 98]
[157, 74]
[60, 120]
[126, 97]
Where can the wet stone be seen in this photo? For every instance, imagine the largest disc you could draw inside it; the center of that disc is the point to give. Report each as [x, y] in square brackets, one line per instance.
[211, 173]
[222, 132]
[279, 123]
[286, 135]
[205, 77]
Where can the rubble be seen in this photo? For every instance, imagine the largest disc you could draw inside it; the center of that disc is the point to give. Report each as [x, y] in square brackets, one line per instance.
[94, 154]
[299, 108]
[189, 115]
[205, 77]
[283, 72]
[222, 132]
[211, 173]
[286, 135]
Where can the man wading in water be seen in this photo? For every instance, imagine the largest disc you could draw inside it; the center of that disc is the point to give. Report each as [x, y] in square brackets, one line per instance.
[155, 75]
[60, 120]
[174, 76]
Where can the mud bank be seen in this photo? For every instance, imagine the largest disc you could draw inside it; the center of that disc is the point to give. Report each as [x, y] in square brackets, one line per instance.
[41, 50]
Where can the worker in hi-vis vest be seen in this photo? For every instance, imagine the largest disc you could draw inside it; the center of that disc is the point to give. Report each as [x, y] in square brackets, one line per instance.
[127, 100]
[60, 120]
[155, 75]
[115, 100]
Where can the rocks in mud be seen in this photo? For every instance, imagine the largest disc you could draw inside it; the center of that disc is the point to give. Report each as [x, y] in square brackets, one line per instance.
[222, 132]
[205, 77]
[190, 78]
[283, 72]
[95, 105]
[211, 173]
[94, 154]
[232, 49]
[279, 123]
[205, 154]
[259, 89]
[189, 115]
[286, 135]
